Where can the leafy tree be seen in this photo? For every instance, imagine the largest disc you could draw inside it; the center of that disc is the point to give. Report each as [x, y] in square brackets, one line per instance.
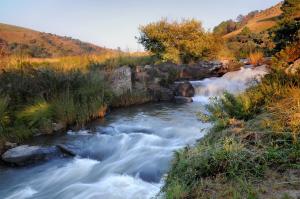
[178, 42]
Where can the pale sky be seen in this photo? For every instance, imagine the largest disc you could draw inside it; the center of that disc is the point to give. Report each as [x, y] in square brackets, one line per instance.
[114, 23]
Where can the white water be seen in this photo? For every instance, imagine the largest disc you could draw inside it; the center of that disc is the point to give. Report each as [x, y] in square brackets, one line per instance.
[125, 156]
[232, 82]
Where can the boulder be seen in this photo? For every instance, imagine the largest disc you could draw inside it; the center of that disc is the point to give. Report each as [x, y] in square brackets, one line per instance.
[183, 100]
[58, 127]
[185, 89]
[24, 154]
[159, 93]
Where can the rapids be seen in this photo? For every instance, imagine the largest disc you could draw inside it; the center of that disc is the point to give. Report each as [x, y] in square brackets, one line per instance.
[125, 155]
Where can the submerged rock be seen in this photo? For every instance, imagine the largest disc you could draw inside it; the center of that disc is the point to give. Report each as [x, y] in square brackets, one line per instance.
[182, 100]
[66, 150]
[24, 154]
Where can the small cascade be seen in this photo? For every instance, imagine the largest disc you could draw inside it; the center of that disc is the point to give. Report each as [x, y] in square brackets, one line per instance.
[233, 82]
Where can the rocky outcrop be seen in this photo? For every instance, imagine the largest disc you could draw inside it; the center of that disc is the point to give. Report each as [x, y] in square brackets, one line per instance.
[24, 154]
[184, 89]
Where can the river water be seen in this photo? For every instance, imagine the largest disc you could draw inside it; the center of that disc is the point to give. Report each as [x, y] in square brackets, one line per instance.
[124, 156]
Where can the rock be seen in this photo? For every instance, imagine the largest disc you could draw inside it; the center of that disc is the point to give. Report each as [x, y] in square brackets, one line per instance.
[185, 89]
[183, 100]
[66, 150]
[121, 80]
[10, 145]
[24, 154]
[293, 68]
[245, 61]
[57, 127]
[159, 93]
[148, 67]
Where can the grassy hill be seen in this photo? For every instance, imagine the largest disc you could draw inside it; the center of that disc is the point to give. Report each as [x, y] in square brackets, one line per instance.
[261, 21]
[16, 40]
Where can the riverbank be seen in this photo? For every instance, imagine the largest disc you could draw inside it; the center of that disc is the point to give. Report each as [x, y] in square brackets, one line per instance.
[45, 98]
[253, 149]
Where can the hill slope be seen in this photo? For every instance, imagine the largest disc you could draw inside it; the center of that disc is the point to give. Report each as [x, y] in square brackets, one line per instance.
[262, 21]
[15, 40]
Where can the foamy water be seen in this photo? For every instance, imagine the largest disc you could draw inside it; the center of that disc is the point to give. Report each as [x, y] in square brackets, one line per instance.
[126, 155]
[233, 82]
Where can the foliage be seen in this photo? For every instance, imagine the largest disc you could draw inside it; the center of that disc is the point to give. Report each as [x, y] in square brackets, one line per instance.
[291, 9]
[178, 42]
[286, 34]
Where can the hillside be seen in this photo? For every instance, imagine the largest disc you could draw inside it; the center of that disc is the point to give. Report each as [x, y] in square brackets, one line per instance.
[261, 21]
[16, 40]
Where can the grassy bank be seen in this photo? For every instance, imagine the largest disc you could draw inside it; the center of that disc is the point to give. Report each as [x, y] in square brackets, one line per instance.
[45, 95]
[253, 149]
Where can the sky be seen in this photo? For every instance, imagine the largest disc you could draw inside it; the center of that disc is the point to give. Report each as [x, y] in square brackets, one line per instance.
[115, 23]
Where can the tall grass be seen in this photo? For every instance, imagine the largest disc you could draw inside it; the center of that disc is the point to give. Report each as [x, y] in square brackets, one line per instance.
[4, 117]
[41, 95]
[256, 58]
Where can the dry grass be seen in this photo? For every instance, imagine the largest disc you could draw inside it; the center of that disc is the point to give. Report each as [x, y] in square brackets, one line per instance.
[67, 63]
[256, 58]
[287, 119]
[54, 44]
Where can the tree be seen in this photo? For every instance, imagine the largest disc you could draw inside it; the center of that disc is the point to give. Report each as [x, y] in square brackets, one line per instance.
[291, 9]
[225, 27]
[178, 42]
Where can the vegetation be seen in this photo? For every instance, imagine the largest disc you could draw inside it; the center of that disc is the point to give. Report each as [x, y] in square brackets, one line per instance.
[179, 42]
[255, 133]
[253, 147]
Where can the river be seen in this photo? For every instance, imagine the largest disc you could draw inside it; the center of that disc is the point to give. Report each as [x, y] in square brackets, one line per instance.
[124, 156]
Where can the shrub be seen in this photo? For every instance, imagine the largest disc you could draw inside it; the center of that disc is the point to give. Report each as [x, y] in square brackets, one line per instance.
[256, 58]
